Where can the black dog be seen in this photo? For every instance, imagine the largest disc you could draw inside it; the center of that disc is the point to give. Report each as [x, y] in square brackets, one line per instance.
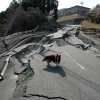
[52, 58]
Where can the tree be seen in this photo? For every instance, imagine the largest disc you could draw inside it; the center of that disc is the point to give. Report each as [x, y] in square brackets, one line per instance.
[14, 4]
[94, 15]
[33, 3]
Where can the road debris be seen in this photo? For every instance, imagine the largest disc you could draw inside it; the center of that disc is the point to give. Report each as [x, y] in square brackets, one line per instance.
[36, 82]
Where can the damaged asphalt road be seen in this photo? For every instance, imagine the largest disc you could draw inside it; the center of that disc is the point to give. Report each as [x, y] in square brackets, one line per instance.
[76, 78]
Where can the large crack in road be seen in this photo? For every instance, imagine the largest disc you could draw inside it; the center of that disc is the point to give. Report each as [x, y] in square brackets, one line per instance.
[50, 83]
[21, 84]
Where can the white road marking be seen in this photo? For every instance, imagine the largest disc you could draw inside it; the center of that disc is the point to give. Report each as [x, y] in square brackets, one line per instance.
[67, 54]
[78, 64]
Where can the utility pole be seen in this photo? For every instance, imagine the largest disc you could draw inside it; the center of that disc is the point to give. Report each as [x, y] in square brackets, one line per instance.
[82, 3]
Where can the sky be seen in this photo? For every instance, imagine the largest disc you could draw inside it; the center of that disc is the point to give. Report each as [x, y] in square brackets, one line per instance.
[4, 4]
[70, 3]
[62, 3]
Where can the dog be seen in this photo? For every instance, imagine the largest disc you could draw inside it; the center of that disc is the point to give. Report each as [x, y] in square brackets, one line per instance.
[52, 58]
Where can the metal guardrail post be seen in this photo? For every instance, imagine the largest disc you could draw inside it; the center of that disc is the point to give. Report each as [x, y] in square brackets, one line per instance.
[4, 68]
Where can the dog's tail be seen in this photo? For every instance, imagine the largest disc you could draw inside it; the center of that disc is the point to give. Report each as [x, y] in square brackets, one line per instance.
[44, 59]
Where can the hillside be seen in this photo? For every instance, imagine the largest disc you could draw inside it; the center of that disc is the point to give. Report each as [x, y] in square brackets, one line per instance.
[82, 11]
[68, 18]
[90, 25]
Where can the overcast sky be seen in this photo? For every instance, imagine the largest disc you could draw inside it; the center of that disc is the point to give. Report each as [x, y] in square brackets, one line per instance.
[70, 3]
[62, 3]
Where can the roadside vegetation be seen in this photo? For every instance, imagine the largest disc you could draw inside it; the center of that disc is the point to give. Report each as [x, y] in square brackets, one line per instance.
[22, 16]
[68, 18]
[90, 25]
[94, 15]
[93, 19]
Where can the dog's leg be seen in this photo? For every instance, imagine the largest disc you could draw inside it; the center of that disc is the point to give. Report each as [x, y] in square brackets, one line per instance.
[48, 62]
[57, 58]
[57, 64]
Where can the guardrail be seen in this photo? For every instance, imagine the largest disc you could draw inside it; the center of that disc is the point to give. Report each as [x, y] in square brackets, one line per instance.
[20, 33]
[10, 55]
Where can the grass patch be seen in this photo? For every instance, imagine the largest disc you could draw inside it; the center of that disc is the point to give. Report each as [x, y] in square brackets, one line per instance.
[89, 25]
[68, 18]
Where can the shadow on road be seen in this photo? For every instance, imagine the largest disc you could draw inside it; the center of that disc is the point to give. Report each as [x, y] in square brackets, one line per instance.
[56, 69]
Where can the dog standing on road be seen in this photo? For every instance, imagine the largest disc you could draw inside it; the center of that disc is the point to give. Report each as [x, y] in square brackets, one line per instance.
[53, 58]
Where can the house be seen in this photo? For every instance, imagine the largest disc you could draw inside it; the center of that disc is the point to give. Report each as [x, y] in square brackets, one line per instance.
[80, 10]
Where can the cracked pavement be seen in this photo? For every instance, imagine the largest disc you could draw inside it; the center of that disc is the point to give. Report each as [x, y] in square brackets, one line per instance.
[76, 78]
